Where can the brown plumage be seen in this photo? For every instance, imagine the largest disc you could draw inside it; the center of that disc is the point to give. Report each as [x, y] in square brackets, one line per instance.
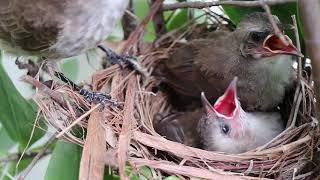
[56, 28]
[252, 52]
[180, 127]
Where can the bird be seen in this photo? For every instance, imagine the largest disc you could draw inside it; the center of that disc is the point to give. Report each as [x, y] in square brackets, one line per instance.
[252, 52]
[226, 127]
[180, 126]
[56, 29]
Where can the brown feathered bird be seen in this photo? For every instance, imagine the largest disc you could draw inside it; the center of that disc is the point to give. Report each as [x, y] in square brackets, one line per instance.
[226, 127]
[252, 52]
[180, 127]
[56, 28]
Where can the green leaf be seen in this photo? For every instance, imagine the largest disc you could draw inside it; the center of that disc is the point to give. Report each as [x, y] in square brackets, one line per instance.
[301, 33]
[5, 142]
[10, 169]
[109, 174]
[17, 115]
[237, 13]
[180, 17]
[144, 173]
[141, 10]
[284, 12]
[171, 178]
[65, 162]
[70, 67]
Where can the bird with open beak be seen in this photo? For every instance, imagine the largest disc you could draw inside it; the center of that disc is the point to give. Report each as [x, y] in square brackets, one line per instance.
[226, 127]
[253, 53]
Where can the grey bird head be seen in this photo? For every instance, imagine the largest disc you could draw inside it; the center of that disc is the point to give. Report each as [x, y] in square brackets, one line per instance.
[258, 38]
[226, 127]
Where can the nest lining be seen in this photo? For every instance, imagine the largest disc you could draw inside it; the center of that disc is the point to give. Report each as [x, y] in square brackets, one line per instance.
[285, 156]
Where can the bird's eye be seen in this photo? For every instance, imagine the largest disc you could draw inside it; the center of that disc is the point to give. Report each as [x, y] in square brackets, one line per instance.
[258, 36]
[225, 128]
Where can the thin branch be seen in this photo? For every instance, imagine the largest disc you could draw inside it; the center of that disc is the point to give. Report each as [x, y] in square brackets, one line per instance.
[200, 4]
[128, 21]
[54, 95]
[57, 97]
[136, 34]
[296, 33]
[16, 156]
[159, 23]
[78, 120]
[37, 157]
[273, 23]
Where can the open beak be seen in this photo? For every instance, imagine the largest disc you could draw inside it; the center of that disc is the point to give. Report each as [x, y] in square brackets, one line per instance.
[226, 106]
[206, 104]
[273, 45]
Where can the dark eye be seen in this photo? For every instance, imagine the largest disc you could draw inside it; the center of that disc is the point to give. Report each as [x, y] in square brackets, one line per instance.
[225, 128]
[258, 36]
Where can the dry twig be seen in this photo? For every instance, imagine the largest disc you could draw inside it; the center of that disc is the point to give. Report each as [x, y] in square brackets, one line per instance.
[54, 95]
[126, 131]
[273, 23]
[26, 155]
[37, 157]
[93, 155]
[128, 21]
[159, 23]
[200, 4]
[78, 120]
[135, 35]
[189, 171]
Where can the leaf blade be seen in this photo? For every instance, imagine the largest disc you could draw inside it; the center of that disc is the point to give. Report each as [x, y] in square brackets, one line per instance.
[65, 162]
[16, 114]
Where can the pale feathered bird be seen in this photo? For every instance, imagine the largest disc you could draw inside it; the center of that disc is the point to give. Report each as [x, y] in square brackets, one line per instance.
[56, 29]
[226, 127]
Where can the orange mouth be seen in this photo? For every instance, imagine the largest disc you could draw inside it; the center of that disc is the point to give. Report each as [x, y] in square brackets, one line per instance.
[273, 45]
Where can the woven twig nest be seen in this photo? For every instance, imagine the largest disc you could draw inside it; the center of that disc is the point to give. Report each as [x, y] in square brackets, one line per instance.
[284, 157]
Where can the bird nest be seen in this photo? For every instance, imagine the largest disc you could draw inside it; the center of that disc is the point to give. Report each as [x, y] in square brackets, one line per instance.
[128, 128]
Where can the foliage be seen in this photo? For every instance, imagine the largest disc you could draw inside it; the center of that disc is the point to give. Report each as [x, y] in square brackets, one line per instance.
[64, 162]
[17, 115]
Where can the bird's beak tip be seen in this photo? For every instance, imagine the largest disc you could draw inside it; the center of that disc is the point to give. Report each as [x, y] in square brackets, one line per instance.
[226, 106]
[233, 86]
[206, 104]
[299, 54]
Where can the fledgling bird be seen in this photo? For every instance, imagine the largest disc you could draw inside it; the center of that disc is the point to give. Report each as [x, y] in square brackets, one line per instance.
[180, 127]
[56, 29]
[226, 127]
[253, 53]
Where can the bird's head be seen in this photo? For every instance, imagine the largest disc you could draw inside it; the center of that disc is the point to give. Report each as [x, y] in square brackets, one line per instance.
[226, 127]
[258, 38]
